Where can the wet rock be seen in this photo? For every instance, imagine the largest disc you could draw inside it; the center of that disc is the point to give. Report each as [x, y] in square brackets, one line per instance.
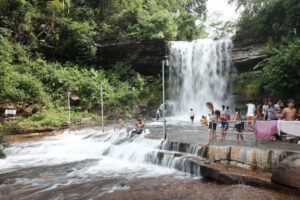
[31, 109]
[65, 125]
[144, 56]
[136, 109]
[288, 172]
[86, 120]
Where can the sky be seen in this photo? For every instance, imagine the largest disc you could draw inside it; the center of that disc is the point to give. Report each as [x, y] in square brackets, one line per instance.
[219, 11]
[221, 6]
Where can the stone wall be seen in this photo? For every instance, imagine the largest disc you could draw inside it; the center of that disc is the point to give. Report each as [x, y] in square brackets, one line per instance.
[248, 155]
[266, 159]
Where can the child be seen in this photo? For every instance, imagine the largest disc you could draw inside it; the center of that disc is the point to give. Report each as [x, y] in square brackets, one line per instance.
[224, 126]
[238, 124]
[204, 121]
[192, 116]
[244, 119]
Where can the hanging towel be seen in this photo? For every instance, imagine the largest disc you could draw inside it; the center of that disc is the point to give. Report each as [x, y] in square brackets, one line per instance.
[289, 127]
[265, 129]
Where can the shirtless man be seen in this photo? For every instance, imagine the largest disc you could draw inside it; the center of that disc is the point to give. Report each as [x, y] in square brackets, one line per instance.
[289, 113]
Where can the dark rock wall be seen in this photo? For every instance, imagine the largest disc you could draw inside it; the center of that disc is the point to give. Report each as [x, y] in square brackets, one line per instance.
[144, 56]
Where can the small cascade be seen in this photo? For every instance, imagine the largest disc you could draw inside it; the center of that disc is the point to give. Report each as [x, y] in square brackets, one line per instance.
[179, 163]
[109, 152]
[193, 149]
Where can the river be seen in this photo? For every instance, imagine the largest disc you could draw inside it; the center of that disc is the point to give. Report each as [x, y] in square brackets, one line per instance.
[88, 164]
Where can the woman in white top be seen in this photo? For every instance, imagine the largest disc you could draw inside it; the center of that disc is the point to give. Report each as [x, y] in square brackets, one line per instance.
[192, 116]
[212, 122]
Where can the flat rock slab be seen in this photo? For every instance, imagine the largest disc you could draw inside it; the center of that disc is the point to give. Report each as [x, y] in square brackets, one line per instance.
[288, 172]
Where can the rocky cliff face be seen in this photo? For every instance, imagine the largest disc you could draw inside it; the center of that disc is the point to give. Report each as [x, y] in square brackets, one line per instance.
[145, 56]
[246, 57]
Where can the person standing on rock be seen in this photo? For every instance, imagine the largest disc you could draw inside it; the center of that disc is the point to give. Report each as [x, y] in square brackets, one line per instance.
[212, 126]
[265, 110]
[157, 114]
[224, 126]
[192, 116]
[238, 124]
[250, 115]
[271, 111]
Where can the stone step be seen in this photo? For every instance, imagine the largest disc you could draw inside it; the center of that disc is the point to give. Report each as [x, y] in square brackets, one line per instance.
[223, 173]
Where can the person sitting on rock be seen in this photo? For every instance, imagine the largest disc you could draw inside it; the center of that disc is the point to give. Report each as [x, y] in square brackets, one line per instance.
[139, 128]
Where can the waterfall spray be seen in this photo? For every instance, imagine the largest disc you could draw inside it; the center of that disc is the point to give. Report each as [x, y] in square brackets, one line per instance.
[198, 73]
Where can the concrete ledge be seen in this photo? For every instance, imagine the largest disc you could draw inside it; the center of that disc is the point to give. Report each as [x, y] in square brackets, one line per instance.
[223, 173]
[260, 156]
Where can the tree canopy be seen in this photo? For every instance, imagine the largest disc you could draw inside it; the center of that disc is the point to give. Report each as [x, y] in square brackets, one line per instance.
[265, 18]
[73, 29]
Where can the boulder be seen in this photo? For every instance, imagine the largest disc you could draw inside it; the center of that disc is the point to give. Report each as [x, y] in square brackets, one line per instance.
[136, 108]
[288, 172]
[86, 120]
[28, 111]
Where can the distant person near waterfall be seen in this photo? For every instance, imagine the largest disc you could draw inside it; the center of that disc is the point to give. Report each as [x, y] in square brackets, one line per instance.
[157, 114]
[192, 116]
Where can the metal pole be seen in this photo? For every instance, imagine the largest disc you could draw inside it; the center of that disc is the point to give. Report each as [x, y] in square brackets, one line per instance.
[163, 80]
[69, 107]
[102, 118]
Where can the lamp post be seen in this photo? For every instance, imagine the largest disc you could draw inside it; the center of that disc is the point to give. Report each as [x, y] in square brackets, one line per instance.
[69, 108]
[164, 63]
[102, 107]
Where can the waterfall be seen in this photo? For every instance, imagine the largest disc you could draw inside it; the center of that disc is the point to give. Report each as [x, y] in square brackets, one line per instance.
[198, 73]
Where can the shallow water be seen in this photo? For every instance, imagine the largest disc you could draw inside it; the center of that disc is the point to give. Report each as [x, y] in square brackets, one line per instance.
[88, 164]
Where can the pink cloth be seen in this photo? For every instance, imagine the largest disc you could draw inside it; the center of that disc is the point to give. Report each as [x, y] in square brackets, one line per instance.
[265, 129]
[289, 127]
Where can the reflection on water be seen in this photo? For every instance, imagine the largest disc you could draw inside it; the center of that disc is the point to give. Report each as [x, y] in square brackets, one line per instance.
[88, 164]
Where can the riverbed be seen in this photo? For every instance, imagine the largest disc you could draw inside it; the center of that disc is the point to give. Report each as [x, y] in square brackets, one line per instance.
[89, 164]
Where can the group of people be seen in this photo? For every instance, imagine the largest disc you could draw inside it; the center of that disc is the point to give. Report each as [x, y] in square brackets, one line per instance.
[243, 120]
[224, 118]
[278, 111]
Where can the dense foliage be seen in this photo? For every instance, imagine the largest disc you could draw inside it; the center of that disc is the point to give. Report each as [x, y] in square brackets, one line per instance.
[68, 30]
[280, 72]
[26, 82]
[264, 18]
[48, 48]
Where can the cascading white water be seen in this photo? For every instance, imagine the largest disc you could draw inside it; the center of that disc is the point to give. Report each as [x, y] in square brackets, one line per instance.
[198, 73]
